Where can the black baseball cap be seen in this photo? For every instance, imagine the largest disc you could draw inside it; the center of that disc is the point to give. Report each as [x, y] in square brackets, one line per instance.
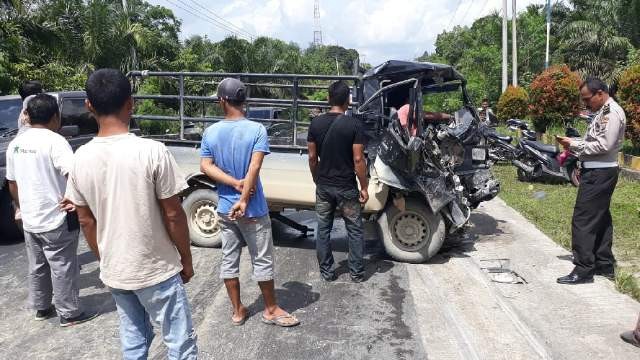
[232, 89]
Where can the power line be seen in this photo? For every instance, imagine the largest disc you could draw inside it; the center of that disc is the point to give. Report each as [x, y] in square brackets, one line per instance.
[207, 19]
[483, 7]
[466, 13]
[216, 22]
[224, 21]
[454, 14]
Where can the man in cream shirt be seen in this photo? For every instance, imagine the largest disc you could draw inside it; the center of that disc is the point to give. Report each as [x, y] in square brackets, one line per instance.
[126, 190]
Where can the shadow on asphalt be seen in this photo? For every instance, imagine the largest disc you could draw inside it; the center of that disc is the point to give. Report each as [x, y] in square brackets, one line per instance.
[292, 297]
[90, 280]
[10, 241]
[484, 224]
[481, 227]
[101, 302]
[372, 266]
[86, 257]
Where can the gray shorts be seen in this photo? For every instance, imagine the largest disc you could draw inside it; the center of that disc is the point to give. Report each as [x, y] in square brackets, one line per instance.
[256, 233]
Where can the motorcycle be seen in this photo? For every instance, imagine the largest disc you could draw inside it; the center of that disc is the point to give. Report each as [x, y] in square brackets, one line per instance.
[499, 146]
[537, 161]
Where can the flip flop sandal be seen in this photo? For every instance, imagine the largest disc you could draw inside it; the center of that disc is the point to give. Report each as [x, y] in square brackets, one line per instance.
[241, 321]
[281, 320]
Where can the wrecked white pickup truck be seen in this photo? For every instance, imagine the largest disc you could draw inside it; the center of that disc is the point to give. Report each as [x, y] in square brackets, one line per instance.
[421, 187]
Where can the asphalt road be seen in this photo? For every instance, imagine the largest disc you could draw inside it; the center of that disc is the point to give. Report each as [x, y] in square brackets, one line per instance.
[450, 308]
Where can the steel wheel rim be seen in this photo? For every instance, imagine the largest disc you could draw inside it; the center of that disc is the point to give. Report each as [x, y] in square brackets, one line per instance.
[410, 230]
[204, 218]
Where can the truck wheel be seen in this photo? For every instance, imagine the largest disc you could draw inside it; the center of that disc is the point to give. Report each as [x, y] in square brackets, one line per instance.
[203, 219]
[8, 227]
[413, 235]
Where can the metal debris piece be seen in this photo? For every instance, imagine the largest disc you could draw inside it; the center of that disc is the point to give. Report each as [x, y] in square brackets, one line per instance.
[500, 272]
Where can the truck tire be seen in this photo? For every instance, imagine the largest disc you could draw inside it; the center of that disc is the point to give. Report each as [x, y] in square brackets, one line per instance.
[202, 216]
[8, 227]
[413, 235]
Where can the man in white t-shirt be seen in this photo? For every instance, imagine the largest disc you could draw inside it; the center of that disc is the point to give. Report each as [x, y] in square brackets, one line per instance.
[37, 163]
[28, 89]
[126, 190]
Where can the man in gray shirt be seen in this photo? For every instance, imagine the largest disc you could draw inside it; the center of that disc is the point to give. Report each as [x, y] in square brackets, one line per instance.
[592, 227]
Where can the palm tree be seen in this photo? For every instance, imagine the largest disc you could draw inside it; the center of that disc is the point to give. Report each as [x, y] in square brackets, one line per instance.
[591, 42]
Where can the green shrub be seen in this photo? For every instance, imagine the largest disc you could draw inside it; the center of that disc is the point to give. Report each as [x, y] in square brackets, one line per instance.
[554, 97]
[629, 95]
[513, 104]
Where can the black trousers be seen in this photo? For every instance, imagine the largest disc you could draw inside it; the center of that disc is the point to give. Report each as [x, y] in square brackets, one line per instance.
[592, 227]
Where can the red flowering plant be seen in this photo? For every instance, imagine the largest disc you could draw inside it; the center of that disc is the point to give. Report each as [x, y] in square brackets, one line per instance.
[629, 96]
[554, 97]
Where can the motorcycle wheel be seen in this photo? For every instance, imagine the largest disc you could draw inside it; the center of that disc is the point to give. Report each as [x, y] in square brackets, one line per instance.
[522, 175]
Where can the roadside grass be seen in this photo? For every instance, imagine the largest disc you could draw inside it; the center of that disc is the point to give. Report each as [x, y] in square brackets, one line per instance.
[550, 207]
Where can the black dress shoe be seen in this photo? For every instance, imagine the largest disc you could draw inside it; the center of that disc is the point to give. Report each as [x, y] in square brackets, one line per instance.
[574, 278]
[630, 337]
[607, 273]
[329, 277]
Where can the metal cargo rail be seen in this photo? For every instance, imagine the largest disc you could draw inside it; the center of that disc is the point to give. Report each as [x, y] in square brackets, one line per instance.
[296, 83]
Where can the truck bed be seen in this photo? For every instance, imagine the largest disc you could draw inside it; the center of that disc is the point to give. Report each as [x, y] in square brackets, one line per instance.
[285, 177]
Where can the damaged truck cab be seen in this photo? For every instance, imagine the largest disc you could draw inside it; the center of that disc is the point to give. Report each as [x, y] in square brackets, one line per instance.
[435, 177]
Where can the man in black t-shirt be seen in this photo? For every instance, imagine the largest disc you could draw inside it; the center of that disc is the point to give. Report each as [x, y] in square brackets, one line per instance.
[338, 141]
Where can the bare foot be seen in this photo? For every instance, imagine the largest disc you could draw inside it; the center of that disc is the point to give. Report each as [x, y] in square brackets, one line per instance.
[241, 315]
[277, 311]
[279, 317]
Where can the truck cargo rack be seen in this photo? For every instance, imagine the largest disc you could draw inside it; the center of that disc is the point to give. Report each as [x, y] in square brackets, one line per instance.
[296, 83]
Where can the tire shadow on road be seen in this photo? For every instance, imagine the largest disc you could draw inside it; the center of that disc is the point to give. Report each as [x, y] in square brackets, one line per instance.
[481, 227]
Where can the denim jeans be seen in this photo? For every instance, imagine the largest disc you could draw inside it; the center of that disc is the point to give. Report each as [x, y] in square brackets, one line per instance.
[328, 198]
[165, 304]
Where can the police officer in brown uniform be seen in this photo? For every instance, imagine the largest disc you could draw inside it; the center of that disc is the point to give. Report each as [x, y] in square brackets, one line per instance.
[592, 228]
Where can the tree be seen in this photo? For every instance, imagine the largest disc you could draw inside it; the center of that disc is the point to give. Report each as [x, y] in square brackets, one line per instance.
[554, 97]
[513, 104]
[591, 44]
[629, 95]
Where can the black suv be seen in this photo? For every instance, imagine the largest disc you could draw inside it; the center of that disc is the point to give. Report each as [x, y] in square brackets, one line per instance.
[78, 126]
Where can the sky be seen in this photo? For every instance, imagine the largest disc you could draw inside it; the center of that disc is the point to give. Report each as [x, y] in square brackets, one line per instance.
[379, 29]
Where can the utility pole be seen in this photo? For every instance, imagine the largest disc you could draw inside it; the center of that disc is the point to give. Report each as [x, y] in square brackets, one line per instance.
[505, 76]
[514, 43]
[546, 59]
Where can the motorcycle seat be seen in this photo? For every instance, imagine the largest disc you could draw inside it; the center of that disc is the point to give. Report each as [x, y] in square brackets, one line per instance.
[521, 124]
[551, 149]
[507, 139]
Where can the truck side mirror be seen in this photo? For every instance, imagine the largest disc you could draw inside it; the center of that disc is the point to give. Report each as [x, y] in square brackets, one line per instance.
[69, 131]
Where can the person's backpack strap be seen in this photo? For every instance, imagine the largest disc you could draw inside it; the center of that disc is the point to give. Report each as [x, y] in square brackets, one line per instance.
[326, 135]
